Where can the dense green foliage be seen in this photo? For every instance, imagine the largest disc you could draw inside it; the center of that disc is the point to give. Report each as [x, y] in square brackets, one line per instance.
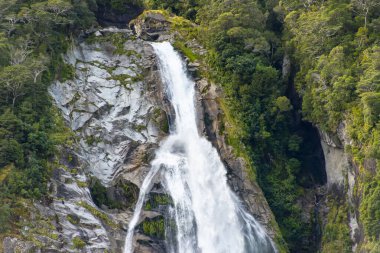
[334, 46]
[370, 206]
[245, 53]
[154, 227]
[100, 196]
[338, 75]
[185, 8]
[118, 6]
[336, 233]
[33, 34]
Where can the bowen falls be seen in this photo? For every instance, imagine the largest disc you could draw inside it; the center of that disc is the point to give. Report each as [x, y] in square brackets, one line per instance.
[191, 126]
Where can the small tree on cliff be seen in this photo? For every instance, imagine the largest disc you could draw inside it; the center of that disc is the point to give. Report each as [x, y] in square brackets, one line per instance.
[13, 80]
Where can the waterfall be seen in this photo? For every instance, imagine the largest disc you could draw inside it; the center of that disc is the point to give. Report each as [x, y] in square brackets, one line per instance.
[209, 217]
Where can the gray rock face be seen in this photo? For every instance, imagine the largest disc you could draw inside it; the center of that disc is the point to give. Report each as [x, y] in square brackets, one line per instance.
[11, 245]
[336, 161]
[152, 26]
[74, 214]
[340, 173]
[115, 105]
[111, 106]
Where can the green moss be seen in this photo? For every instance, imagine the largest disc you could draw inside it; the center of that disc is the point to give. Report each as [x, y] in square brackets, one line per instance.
[127, 80]
[54, 236]
[82, 184]
[78, 243]
[97, 213]
[146, 13]
[63, 136]
[73, 219]
[180, 46]
[117, 40]
[155, 200]
[148, 206]
[99, 195]
[67, 72]
[131, 193]
[162, 199]
[4, 172]
[164, 126]
[154, 227]
[139, 128]
[160, 118]
[234, 135]
[280, 243]
[93, 140]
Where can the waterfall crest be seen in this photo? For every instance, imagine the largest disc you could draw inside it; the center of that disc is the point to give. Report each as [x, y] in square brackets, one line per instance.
[209, 217]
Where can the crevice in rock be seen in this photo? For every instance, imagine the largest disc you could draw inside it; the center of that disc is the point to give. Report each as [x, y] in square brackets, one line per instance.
[108, 15]
[312, 176]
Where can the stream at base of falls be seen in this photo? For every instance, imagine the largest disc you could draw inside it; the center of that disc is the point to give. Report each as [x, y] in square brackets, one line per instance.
[209, 217]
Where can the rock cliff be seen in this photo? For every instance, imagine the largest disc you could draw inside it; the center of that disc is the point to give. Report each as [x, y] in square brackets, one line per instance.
[115, 105]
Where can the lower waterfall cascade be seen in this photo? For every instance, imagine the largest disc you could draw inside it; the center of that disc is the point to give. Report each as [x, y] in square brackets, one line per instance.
[209, 217]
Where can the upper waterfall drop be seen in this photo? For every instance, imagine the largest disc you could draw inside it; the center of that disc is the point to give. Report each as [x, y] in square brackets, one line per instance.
[209, 216]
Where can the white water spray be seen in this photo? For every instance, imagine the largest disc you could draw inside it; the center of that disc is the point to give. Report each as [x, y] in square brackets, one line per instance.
[208, 215]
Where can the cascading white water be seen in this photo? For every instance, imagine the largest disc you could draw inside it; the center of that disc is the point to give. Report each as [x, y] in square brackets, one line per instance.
[208, 215]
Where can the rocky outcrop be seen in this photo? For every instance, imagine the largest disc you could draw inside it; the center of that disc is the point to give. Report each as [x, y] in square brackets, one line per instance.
[152, 25]
[337, 162]
[11, 245]
[342, 176]
[108, 15]
[115, 106]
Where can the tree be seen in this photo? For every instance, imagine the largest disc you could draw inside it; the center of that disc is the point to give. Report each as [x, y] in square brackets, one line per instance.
[13, 79]
[364, 7]
[283, 104]
[11, 152]
[5, 5]
[4, 49]
[18, 54]
[12, 127]
[37, 66]
[58, 7]
[370, 70]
